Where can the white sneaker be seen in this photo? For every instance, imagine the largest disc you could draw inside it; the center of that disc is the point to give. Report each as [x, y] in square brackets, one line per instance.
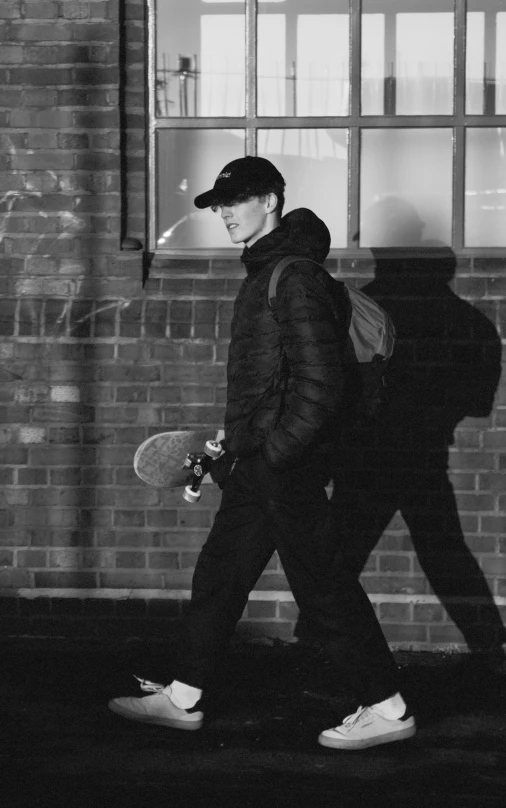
[366, 728]
[156, 709]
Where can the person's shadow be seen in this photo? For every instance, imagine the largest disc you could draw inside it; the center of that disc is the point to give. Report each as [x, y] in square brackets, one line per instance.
[445, 367]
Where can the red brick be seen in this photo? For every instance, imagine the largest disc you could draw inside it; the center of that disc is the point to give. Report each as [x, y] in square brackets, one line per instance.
[61, 497]
[405, 633]
[39, 9]
[168, 561]
[272, 581]
[7, 317]
[130, 580]
[130, 560]
[258, 609]
[96, 161]
[493, 524]
[191, 540]
[189, 560]
[6, 557]
[11, 54]
[96, 434]
[62, 455]
[197, 395]
[395, 612]
[7, 476]
[65, 580]
[31, 558]
[38, 76]
[427, 612]
[287, 610]
[394, 585]
[14, 578]
[10, 9]
[493, 565]
[15, 455]
[126, 373]
[114, 455]
[135, 539]
[481, 544]
[195, 518]
[446, 635]
[162, 518]
[133, 393]
[142, 497]
[66, 476]
[129, 518]
[10, 98]
[39, 32]
[494, 440]
[394, 563]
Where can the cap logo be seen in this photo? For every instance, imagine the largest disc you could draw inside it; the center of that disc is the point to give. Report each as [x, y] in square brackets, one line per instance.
[224, 175]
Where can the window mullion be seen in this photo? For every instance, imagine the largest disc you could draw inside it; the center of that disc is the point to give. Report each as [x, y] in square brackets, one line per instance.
[355, 57]
[459, 67]
[459, 59]
[354, 131]
[459, 165]
[354, 140]
[251, 75]
[390, 97]
[151, 172]
[489, 100]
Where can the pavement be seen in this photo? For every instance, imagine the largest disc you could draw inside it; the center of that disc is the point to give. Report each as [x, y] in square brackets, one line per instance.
[61, 746]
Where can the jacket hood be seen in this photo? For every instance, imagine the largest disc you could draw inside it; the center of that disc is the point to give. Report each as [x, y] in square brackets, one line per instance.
[300, 232]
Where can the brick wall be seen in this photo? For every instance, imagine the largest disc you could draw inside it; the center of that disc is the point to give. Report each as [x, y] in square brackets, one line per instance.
[92, 362]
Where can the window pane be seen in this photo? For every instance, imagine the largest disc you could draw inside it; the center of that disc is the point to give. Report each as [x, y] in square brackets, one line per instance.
[303, 60]
[486, 58]
[188, 162]
[314, 163]
[374, 77]
[485, 218]
[200, 58]
[406, 187]
[407, 57]
[272, 85]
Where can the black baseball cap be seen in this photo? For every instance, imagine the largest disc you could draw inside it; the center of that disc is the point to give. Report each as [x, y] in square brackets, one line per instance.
[247, 174]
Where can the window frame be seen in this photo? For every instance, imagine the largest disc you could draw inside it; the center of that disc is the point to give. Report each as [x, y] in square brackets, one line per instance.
[355, 122]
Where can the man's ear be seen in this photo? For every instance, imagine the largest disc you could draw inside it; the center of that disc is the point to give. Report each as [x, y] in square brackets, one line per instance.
[271, 201]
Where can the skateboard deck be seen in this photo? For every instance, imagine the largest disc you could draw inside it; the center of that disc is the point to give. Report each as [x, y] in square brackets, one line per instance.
[160, 460]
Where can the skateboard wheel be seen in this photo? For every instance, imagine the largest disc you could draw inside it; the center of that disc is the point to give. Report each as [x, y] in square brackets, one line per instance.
[213, 449]
[191, 496]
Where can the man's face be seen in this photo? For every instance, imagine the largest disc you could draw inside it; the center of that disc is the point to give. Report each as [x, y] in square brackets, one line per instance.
[248, 221]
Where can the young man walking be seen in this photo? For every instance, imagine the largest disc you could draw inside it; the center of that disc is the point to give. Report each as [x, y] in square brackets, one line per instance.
[284, 402]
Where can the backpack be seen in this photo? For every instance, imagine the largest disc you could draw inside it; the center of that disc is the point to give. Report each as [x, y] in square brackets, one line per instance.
[370, 344]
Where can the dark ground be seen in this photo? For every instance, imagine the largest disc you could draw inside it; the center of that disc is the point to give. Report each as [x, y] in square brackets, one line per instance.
[60, 746]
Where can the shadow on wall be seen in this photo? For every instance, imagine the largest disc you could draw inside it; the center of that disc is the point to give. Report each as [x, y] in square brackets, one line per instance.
[446, 367]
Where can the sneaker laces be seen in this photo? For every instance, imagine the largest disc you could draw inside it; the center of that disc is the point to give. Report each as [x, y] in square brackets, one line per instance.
[355, 718]
[150, 687]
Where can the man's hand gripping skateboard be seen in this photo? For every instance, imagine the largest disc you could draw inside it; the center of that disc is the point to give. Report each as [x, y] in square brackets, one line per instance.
[200, 464]
[183, 458]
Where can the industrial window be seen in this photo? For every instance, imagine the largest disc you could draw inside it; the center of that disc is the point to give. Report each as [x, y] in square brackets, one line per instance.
[386, 117]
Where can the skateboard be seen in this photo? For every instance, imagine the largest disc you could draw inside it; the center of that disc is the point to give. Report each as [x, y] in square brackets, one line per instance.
[178, 459]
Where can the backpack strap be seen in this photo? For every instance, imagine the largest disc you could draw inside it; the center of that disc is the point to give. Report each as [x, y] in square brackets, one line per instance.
[278, 271]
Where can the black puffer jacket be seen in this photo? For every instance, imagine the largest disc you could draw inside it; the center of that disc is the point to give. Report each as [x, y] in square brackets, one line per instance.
[285, 407]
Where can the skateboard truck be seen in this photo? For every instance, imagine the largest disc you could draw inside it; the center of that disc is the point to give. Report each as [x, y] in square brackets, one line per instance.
[200, 464]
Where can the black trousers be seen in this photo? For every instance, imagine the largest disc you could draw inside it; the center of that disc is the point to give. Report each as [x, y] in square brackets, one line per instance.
[262, 511]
